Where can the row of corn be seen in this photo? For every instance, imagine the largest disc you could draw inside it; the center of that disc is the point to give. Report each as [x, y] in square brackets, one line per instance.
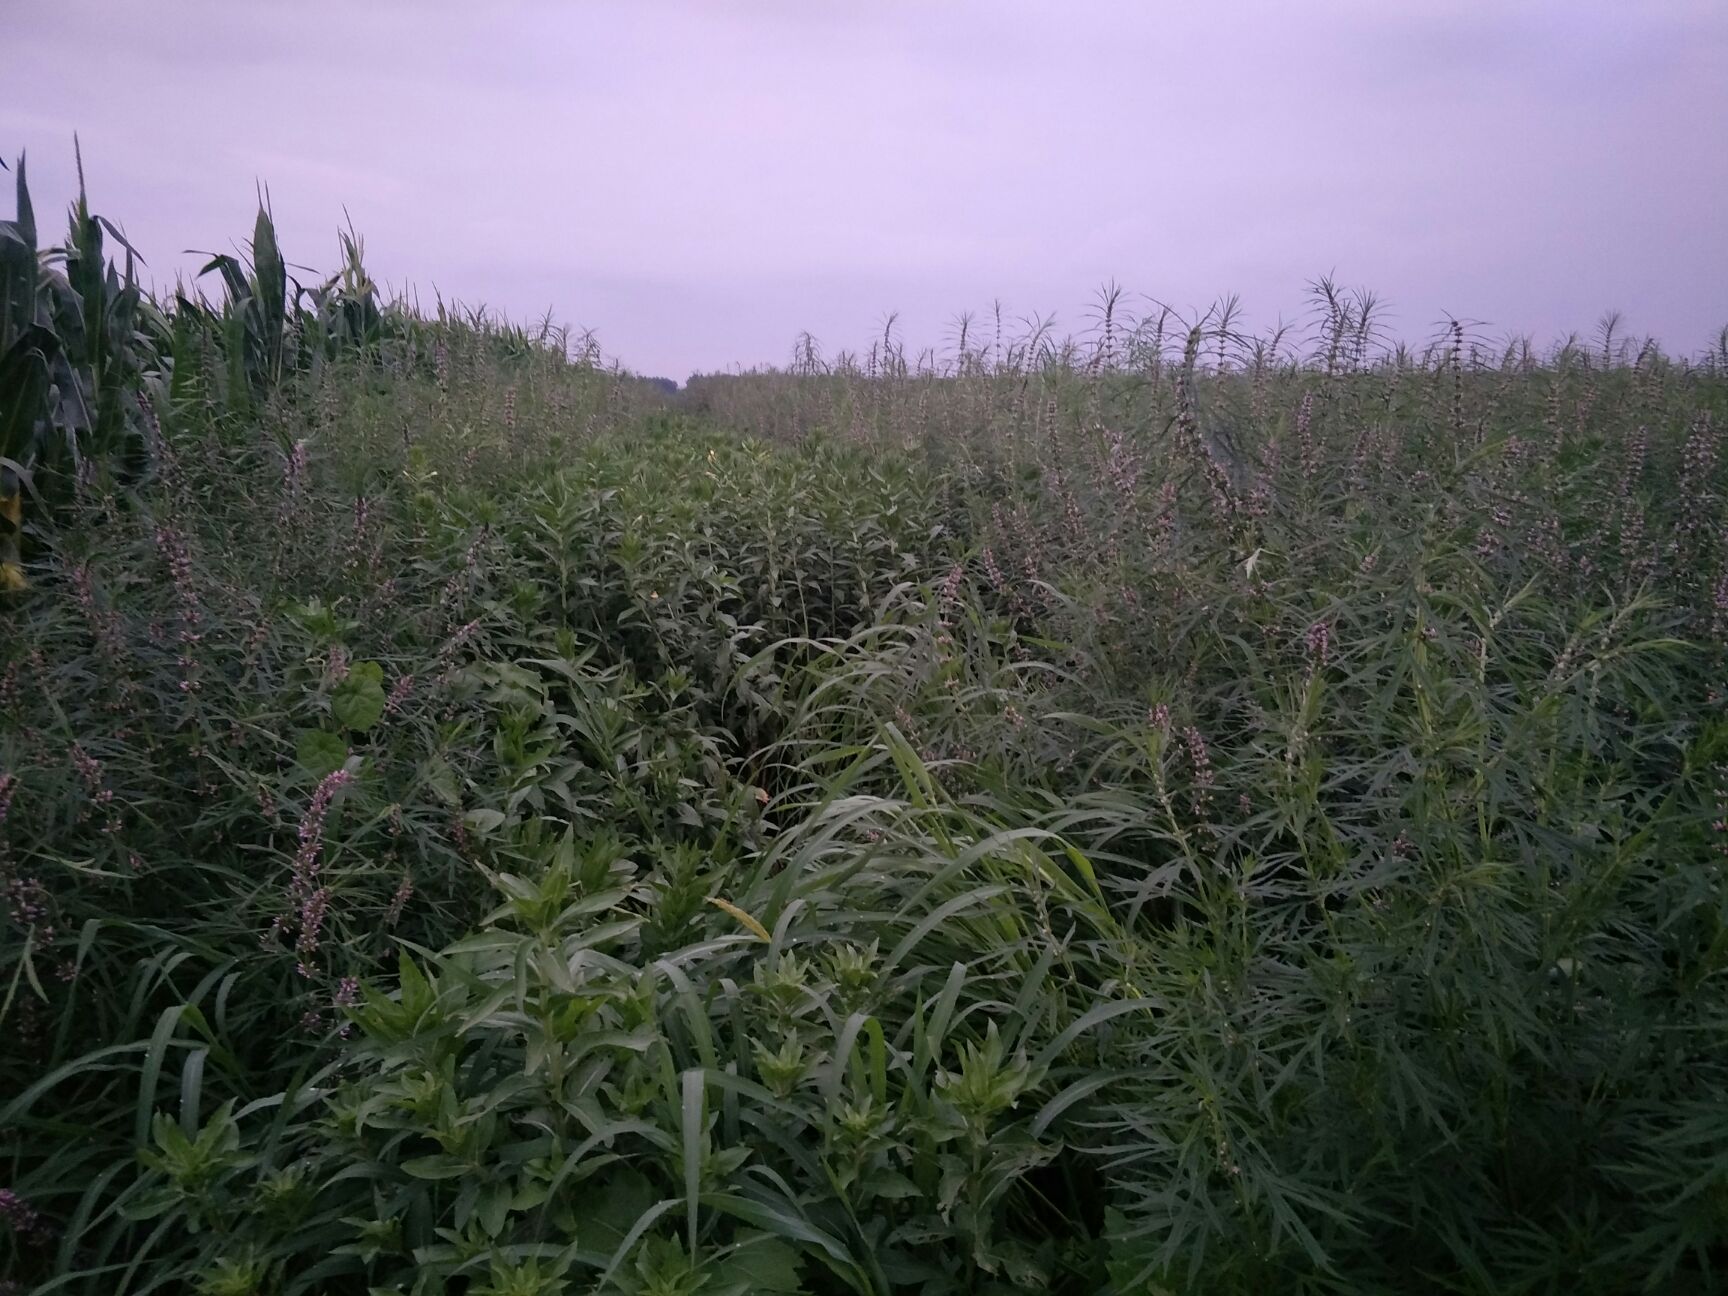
[87, 355]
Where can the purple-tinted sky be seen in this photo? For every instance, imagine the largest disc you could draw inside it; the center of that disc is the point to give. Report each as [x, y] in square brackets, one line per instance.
[700, 179]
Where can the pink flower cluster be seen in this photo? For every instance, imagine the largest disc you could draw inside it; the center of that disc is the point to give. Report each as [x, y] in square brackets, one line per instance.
[1318, 641]
[1201, 761]
[307, 896]
[398, 697]
[399, 901]
[28, 904]
[90, 770]
[172, 546]
[1306, 449]
[1719, 825]
[294, 465]
[364, 553]
[103, 624]
[447, 654]
[464, 576]
[95, 785]
[25, 1220]
[1719, 597]
[346, 996]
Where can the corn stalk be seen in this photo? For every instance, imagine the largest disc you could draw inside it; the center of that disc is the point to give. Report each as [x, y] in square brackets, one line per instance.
[28, 347]
[77, 341]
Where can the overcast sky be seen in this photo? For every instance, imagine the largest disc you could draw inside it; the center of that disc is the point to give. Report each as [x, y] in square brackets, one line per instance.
[699, 180]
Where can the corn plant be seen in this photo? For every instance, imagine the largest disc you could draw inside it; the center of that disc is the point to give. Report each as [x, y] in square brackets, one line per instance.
[78, 347]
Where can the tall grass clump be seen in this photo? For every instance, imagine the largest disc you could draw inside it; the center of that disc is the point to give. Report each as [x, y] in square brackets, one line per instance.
[1163, 811]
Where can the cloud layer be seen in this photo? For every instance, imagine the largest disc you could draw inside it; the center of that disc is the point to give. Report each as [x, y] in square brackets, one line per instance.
[700, 181]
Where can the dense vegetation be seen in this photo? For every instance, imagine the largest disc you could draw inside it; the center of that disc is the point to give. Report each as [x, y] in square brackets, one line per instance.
[1166, 812]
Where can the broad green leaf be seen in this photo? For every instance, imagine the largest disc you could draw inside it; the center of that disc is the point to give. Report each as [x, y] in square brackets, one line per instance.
[358, 699]
[320, 752]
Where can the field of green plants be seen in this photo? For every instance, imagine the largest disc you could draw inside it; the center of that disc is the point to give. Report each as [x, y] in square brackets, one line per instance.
[1166, 811]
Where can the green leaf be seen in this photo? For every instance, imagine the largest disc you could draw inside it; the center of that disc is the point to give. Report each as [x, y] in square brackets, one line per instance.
[438, 1166]
[694, 1105]
[607, 1209]
[759, 1263]
[320, 752]
[358, 700]
[151, 1203]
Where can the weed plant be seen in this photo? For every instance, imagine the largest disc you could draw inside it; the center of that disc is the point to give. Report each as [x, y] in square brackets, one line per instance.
[1163, 812]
